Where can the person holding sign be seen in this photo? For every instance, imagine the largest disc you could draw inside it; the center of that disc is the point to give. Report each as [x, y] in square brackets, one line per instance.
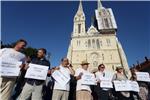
[83, 92]
[123, 95]
[134, 94]
[7, 82]
[62, 80]
[143, 83]
[33, 87]
[103, 92]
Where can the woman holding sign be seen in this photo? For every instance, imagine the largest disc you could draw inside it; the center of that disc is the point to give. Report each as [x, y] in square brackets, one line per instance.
[121, 95]
[102, 92]
[134, 94]
[144, 92]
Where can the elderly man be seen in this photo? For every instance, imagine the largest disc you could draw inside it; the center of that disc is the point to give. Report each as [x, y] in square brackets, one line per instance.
[83, 92]
[61, 92]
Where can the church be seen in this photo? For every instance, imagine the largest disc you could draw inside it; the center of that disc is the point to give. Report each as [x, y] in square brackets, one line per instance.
[97, 44]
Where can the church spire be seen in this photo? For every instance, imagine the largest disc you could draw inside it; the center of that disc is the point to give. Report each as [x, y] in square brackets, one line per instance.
[79, 22]
[99, 4]
[80, 8]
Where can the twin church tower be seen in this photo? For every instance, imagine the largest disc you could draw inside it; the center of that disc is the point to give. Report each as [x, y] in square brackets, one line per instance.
[98, 44]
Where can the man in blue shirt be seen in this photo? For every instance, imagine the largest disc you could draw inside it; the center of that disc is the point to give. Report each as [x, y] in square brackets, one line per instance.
[33, 87]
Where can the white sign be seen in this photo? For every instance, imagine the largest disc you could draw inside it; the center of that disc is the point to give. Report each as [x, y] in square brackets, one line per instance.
[9, 67]
[143, 76]
[134, 86]
[37, 72]
[106, 84]
[88, 79]
[105, 80]
[126, 86]
[60, 77]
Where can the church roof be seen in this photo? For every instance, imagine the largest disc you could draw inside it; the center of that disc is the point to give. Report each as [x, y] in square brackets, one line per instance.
[92, 30]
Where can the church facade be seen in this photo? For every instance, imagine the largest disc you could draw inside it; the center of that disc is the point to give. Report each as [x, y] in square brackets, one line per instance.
[99, 43]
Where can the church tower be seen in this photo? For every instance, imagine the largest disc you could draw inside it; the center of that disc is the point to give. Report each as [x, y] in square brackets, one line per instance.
[105, 18]
[79, 22]
[99, 43]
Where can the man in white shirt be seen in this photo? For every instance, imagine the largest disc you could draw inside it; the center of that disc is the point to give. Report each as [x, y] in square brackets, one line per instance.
[7, 83]
[83, 92]
[61, 92]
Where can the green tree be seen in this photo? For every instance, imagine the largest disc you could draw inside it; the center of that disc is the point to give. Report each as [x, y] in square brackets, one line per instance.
[30, 52]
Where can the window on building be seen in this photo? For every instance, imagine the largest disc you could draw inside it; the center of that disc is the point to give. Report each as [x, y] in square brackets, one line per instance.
[110, 23]
[97, 43]
[79, 28]
[78, 42]
[93, 43]
[106, 22]
[89, 43]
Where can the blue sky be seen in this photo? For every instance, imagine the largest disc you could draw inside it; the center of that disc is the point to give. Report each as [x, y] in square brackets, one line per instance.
[49, 24]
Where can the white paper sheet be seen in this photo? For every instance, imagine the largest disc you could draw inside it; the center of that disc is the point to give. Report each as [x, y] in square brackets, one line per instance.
[88, 79]
[9, 67]
[60, 77]
[37, 72]
[143, 76]
[126, 86]
[106, 84]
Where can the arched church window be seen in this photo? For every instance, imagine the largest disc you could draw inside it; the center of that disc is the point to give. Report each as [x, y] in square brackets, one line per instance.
[110, 22]
[108, 12]
[79, 43]
[97, 43]
[93, 43]
[106, 22]
[79, 28]
[89, 43]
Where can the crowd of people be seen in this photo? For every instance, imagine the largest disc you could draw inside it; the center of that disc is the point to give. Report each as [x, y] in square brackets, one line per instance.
[21, 88]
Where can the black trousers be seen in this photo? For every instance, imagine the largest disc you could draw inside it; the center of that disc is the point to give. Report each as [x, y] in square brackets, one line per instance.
[103, 95]
[121, 97]
[100, 93]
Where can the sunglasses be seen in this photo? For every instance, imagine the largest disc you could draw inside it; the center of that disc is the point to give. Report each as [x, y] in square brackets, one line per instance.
[102, 67]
